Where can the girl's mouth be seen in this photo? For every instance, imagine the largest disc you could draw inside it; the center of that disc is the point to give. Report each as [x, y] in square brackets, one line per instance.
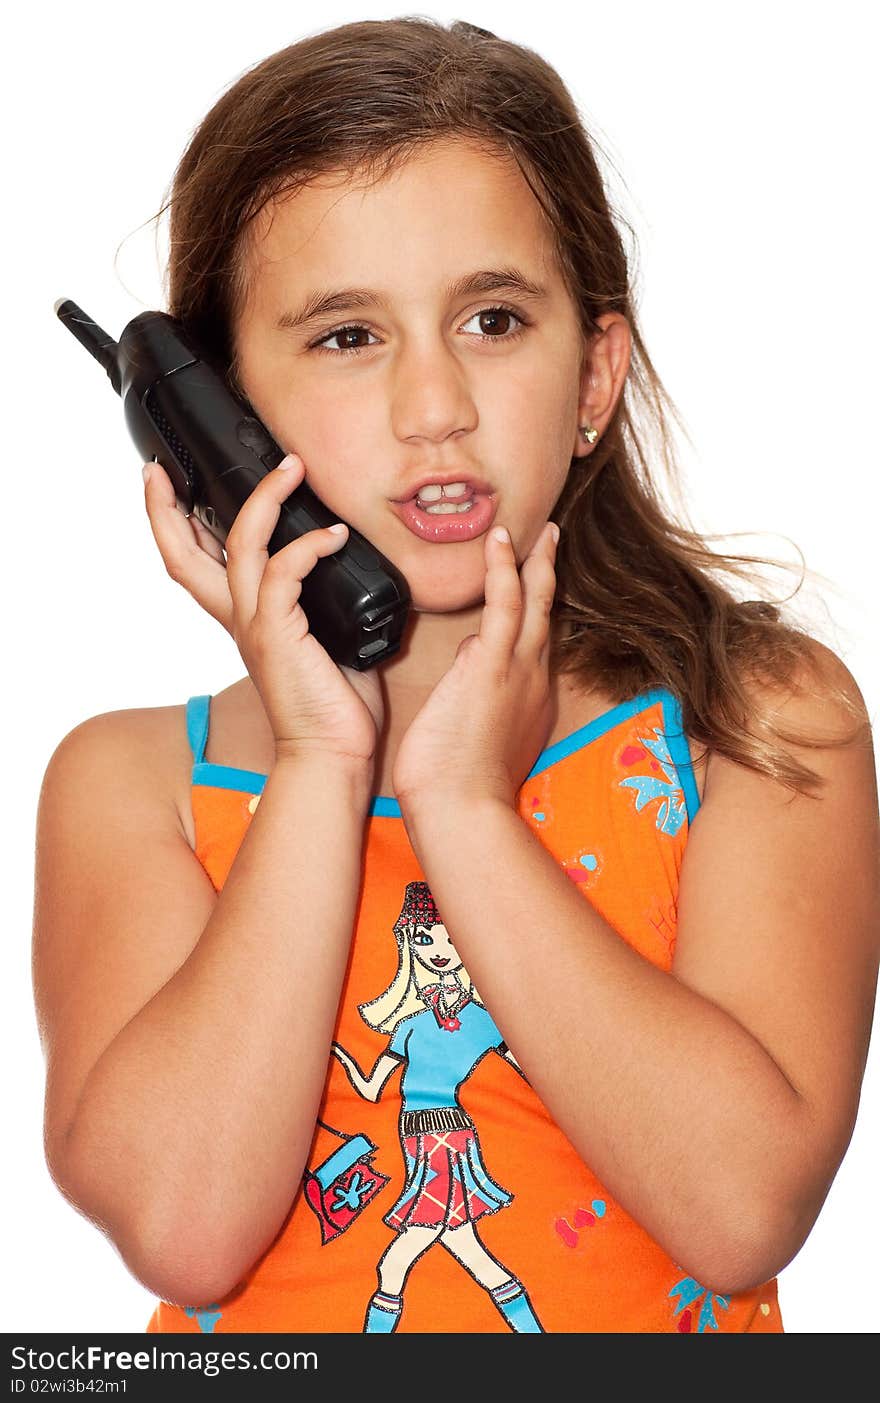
[465, 523]
[436, 960]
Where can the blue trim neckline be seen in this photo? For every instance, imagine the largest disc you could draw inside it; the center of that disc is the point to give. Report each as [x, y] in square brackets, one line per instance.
[384, 806]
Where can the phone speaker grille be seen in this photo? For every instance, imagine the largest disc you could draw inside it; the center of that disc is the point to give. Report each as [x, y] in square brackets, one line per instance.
[177, 446]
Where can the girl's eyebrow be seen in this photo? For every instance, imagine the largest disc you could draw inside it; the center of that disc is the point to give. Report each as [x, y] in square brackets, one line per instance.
[320, 304]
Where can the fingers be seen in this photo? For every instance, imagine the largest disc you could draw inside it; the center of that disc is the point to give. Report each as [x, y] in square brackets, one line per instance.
[207, 540]
[502, 615]
[281, 585]
[538, 575]
[518, 603]
[273, 584]
[197, 568]
[234, 586]
[248, 538]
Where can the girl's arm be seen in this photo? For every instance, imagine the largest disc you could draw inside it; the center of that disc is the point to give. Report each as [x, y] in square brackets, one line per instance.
[715, 1103]
[187, 1033]
[370, 1087]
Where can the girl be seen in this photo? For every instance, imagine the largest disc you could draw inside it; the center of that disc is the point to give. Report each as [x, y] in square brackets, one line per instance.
[644, 811]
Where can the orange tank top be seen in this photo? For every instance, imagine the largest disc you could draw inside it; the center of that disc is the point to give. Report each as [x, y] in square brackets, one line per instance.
[428, 1136]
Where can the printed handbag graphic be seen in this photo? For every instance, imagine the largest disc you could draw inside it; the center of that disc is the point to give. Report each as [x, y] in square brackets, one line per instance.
[340, 1187]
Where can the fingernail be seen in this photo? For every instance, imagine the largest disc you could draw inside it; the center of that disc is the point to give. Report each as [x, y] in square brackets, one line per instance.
[146, 470]
[554, 532]
[289, 461]
[500, 533]
[338, 528]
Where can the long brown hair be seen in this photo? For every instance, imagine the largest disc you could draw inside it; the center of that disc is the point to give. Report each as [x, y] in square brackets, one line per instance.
[638, 601]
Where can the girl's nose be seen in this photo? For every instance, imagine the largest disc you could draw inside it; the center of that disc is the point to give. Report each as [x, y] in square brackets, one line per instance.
[431, 394]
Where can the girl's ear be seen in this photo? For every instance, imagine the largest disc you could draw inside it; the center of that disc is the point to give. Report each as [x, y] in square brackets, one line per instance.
[606, 367]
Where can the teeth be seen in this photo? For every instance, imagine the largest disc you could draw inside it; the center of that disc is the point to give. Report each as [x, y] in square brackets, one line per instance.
[446, 508]
[432, 491]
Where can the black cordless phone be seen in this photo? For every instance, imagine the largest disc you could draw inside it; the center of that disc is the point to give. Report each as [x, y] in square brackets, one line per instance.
[182, 414]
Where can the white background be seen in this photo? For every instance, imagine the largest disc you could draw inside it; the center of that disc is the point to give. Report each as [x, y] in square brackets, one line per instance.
[746, 137]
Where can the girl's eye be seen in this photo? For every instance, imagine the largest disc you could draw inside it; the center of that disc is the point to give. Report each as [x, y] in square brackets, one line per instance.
[341, 331]
[423, 940]
[490, 316]
[495, 314]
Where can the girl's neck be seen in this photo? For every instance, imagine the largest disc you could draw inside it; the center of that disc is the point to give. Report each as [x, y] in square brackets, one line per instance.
[427, 650]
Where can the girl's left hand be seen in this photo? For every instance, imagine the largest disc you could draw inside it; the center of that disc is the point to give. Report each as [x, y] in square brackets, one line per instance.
[490, 715]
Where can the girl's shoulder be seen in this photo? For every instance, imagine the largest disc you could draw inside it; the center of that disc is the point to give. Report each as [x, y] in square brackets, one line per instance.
[816, 716]
[150, 746]
[145, 748]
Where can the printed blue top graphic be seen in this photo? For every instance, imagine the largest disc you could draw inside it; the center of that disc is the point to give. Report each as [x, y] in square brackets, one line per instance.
[437, 1061]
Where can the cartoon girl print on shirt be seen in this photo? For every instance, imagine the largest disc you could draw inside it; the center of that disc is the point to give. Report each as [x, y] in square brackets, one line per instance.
[440, 1031]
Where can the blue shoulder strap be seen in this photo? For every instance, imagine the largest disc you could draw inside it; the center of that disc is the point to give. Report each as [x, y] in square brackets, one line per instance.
[197, 719]
[680, 751]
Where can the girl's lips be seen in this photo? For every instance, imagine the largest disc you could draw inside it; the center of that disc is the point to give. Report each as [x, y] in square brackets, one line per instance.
[452, 526]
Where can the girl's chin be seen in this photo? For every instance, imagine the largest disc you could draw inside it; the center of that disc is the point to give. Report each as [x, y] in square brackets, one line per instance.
[434, 601]
[441, 585]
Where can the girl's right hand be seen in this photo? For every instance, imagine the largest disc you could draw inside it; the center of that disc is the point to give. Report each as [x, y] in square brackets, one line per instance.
[311, 702]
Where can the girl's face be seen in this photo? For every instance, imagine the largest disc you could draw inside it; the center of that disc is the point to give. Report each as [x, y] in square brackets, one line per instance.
[434, 386]
[433, 948]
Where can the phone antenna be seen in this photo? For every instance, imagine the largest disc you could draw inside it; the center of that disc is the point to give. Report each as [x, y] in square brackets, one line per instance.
[95, 339]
